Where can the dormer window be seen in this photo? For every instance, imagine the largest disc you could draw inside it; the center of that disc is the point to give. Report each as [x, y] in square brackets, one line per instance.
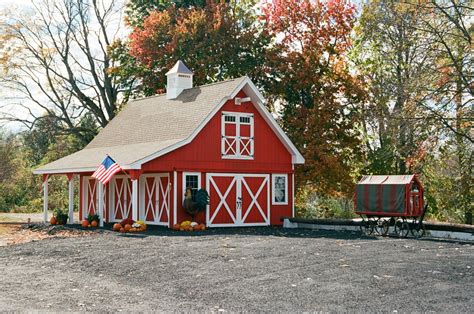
[237, 135]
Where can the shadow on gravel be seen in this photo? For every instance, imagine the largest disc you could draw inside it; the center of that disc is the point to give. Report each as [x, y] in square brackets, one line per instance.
[251, 231]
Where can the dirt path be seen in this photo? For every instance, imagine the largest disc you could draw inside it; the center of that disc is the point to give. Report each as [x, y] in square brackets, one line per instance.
[34, 217]
[262, 269]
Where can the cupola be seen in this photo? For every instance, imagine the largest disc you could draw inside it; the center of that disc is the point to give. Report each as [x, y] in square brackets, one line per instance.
[179, 78]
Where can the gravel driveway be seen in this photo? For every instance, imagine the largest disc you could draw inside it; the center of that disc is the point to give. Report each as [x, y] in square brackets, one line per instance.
[260, 269]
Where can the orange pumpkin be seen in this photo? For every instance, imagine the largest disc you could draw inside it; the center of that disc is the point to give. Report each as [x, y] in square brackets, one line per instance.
[181, 228]
[53, 220]
[176, 227]
[117, 227]
[85, 223]
[122, 230]
[127, 228]
[94, 223]
[133, 229]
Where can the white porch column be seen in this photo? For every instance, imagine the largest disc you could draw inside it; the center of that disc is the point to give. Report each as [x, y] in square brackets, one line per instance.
[71, 199]
[101, 203]
[45, 198]
[135, 199]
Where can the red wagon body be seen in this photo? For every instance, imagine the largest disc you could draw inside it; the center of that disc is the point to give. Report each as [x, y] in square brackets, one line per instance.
[389, 196]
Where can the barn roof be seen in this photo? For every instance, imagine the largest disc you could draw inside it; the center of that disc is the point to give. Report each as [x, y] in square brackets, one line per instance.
[387, 179]
[150, 127]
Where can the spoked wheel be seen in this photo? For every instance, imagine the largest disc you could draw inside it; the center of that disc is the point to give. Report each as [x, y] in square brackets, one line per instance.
[366, 226]
[402, 228]
[382, 227]
[418, 230]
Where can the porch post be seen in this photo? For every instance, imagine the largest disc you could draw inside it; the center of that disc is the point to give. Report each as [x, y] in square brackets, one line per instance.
[70, 178]
[135, 199]
[45, 198]
[101, 203]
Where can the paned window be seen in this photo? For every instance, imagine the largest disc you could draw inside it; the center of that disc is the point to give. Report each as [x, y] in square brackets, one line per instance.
[237, 135]
[192, 181]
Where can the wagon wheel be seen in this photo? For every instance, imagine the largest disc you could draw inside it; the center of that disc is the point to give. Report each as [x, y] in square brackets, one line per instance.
[366, 227]
[382, 227]
[418, 230]
[402, 228]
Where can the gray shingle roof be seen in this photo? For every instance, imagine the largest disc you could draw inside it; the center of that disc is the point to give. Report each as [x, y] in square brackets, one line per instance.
[147, 126]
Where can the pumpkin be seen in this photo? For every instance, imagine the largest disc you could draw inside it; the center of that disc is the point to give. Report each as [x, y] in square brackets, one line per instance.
[181, 228]
[53, 220]
[133, 229]
[127, 227]
[203, 227]
[85, 223]
[94, 223]
[122, 230]
[176, 227]
[127, 221]
[117, 227]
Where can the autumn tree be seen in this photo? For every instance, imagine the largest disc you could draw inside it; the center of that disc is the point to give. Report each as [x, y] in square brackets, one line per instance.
[217, 41]
[56, 64]
[451, 97]
[320, 98]
[396, 60]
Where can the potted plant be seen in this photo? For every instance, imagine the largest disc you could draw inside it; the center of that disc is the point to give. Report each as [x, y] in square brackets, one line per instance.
[61, 216]
[93, 220]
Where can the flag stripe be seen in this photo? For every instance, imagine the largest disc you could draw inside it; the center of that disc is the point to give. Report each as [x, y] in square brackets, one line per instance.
[106, 173]
[106, 170]
[98, 171]
[107, 179]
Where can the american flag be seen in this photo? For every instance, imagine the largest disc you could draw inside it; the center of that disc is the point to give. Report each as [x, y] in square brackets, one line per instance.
[106, 170]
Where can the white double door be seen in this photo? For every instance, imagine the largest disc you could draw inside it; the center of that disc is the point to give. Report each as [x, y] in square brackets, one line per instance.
[238, 199]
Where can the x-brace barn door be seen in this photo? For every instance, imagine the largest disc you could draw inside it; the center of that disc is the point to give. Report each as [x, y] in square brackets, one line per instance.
[238, 200]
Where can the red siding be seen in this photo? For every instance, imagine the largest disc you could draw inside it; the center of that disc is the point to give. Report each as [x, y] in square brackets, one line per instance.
[203, 155]
[204, 152]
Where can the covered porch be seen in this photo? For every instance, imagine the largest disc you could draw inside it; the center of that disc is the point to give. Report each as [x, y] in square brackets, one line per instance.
[129, 194]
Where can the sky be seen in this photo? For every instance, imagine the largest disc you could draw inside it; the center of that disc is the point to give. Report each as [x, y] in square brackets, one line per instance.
[15, 127]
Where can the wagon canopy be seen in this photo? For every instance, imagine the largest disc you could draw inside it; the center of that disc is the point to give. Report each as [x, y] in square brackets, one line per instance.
[386, 194]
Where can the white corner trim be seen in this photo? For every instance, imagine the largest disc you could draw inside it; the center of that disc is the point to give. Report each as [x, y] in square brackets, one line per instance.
[175, 197]
[274, 176]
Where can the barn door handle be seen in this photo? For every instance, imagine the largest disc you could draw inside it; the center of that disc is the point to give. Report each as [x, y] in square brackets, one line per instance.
[239, 202]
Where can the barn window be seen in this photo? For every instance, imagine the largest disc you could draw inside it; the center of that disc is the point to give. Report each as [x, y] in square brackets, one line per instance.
[237, 135]
[280, 189]
[191, 180]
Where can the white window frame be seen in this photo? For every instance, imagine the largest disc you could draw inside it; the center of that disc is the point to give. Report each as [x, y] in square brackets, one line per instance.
[237, 137]
[198, 174]
[274, 176]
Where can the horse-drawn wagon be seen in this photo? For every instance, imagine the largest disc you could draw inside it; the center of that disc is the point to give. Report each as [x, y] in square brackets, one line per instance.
[390, 200]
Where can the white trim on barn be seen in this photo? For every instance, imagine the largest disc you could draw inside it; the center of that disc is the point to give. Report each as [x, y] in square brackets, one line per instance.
[175, 197]
[257, 100]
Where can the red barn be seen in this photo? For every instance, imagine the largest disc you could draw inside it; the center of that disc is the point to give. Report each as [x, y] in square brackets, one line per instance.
[219, 137]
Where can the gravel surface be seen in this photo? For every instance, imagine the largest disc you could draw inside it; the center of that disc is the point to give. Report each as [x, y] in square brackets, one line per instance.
[259, 269]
